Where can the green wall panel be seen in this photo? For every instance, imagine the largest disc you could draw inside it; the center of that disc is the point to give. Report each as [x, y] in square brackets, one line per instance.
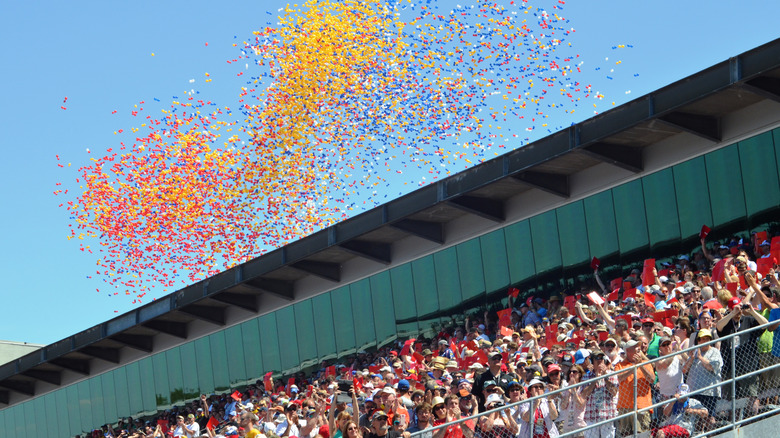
[343, 324]
[383, 307]
[404, 300]
[288, 337]
[693, 198]
[253, 357]
[205, 370]
[472, 277]
[724, 180]
[520, 251]
[363, 314]
[447, 284]
[573, 234]
[547, 248]
[630, 215]
[759, 173]
[237, 360]
[600, 221]
[494, 260]
[269, 342]
[663, 224]
[323, 323]
[304, 327]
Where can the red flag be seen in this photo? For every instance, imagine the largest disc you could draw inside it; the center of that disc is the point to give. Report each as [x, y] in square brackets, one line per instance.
[627, 318]
[595, 263]
[480, 357]
[647, 272]
[649, 299]
[330, 371]
[406, 351]
[719, 270]
[705, 230]
[267, 381]
[764, 265]
[506, 331]
[616, 283]
[504, 318]
[631, 293]
[760, 237]
[595, 298]
[374, 369]
[513, 292]
[164, 426]
[290, 382]
[732, 287]
[236, 396]
[774, 245]
[419, 358]
[358, 386]
[568, 302]
[213, 422]
[603, 336]
[551, 331]
[613, 296]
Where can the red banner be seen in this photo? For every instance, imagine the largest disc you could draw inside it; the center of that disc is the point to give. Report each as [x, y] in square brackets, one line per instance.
[647, 272]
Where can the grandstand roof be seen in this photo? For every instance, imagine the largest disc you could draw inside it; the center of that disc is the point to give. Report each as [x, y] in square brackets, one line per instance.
[684, 119]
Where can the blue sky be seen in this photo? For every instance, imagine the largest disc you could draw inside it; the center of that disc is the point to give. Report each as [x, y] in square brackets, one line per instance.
[99, 56]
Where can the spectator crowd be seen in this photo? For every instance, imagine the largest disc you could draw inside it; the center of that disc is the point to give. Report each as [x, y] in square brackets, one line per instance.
[661, 326]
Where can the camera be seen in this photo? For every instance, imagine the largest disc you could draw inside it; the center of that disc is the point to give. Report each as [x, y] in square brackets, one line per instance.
[344, 385]
[745, 306]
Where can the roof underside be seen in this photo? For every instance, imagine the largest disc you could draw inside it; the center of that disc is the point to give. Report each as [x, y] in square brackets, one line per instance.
[695, 105]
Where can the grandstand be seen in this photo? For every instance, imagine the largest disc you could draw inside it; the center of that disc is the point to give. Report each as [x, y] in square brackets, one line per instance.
[633, 183]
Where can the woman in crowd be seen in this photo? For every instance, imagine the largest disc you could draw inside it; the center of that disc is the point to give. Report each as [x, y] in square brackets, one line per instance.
[572, 404]
[703, 369]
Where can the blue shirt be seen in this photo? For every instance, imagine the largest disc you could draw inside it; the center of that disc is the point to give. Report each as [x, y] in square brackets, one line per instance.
[774, 315]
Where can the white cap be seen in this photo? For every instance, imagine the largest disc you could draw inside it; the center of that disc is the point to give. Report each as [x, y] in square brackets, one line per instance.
[493, 398]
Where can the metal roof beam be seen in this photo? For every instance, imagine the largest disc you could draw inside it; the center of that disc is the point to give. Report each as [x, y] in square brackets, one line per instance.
[704, 126]
[433, 231]
[139, 342]
[214, 315]
[26, 388]
[53, 377]
[764, 86]
[376, 251]
[178, 329]
[485, 207]
[621, 156]
[246, 302]
[328, 271]
[280, 288]
[76, 365]
[107, 354]
[549, 182]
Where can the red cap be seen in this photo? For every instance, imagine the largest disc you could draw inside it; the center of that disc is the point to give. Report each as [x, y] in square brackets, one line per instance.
[393, 353]
[734, 302]
[553, 367]
[648, 320]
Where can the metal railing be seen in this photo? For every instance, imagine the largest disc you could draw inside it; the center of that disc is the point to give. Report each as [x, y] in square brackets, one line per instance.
[736, 403]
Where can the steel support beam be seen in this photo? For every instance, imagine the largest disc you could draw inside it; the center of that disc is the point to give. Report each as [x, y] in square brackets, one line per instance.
[376, 251]
[139, 342]
[178, 329]
[326, 270]
[553, 183]
[433, 231]
[764, 86]
[624, 157]
[53, 377]
[704, 126]
[214, 315]
[107, 354]
[26, 388]
[76, 365]
[484, 207]
[246, 302]
[280, 288]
